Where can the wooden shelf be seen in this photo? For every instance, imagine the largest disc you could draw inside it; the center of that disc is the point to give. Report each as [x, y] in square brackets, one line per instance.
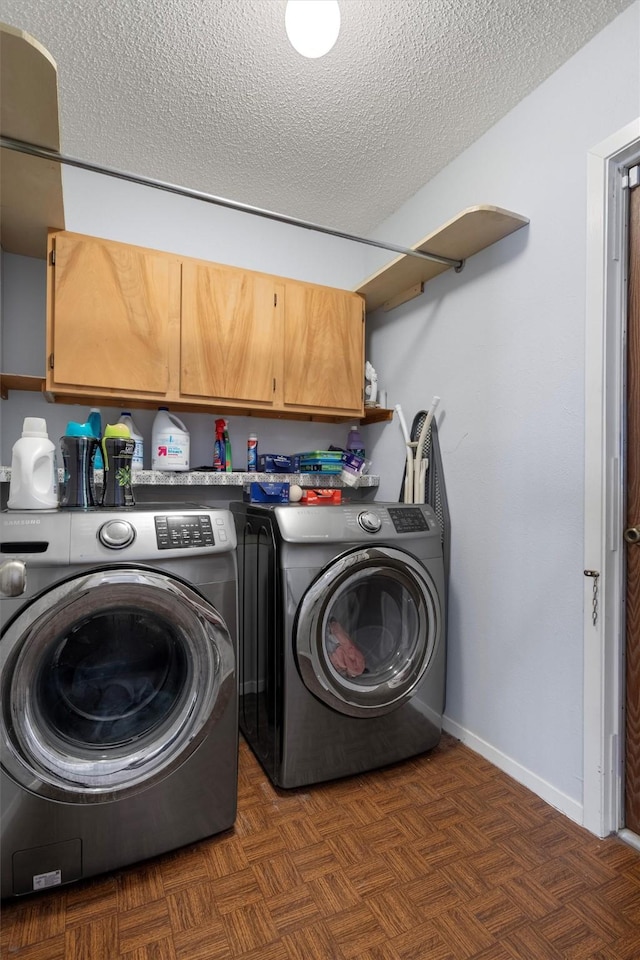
[471, 231]
[31, 187]
[376, 415]
[10, 381]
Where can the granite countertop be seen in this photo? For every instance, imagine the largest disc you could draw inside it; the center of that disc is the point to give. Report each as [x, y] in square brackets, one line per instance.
[209, 478]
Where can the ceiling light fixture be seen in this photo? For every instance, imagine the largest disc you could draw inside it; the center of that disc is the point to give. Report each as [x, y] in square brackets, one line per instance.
[312, 26]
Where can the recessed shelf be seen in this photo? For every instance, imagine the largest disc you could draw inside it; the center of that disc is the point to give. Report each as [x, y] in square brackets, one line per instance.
[471, 231]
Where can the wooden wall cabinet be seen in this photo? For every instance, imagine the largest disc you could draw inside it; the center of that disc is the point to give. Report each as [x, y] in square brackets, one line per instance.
[113, 315]
[323, 349]
[127, 325]
[229, 334]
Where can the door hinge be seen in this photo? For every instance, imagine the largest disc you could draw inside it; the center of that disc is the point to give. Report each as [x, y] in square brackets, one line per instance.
[50, 361]
[52, 258]
[631, 178]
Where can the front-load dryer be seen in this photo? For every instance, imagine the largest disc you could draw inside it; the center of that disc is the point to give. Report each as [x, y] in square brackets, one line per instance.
[118, 727]
[341, 655]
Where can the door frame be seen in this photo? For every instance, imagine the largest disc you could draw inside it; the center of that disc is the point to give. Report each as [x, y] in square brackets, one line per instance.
[605, 384]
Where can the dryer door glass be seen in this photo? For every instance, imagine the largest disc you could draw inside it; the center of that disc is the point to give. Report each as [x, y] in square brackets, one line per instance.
[367, 630]
[109, 681]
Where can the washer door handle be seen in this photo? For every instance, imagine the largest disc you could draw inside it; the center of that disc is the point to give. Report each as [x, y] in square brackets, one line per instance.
[13, 578]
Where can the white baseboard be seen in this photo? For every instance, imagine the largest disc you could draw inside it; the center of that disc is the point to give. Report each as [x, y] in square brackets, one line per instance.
[560, 801]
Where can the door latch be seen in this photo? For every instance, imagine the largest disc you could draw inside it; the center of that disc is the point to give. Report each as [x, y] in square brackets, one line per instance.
[595, 574]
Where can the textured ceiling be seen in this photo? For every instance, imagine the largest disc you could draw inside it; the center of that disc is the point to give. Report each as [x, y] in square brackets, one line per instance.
[209, 94]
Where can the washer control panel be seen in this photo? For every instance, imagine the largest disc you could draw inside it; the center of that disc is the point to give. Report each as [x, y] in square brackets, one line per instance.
[146, 532]
[175, 532]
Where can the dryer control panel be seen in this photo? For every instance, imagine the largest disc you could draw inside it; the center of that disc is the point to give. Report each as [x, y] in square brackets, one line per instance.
[408, 519]
[358, 522]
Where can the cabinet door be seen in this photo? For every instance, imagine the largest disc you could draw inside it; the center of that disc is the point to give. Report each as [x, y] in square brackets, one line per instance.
[111, 315]
[230, 334]
[323, 348]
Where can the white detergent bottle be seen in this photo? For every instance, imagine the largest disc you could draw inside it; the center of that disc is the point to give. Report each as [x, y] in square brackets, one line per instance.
[170, 442]
[137, 461]
[34, 477]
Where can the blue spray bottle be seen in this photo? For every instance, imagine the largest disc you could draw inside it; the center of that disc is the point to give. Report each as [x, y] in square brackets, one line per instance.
[95, 419]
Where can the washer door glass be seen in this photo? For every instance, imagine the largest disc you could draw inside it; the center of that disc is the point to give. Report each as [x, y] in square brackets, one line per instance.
[109, 680]
[366, 631]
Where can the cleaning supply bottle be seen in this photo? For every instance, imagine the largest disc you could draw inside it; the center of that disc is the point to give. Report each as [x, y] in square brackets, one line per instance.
[228, 466]
[78, 446]
[252, 453]
[170, 442]
[34, 476]
[218, 447]
[354, 442]
[137, 462]
[117, 453]
[95, 419]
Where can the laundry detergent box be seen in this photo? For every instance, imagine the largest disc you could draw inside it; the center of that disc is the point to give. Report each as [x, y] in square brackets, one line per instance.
[275, 463]
[256, 492]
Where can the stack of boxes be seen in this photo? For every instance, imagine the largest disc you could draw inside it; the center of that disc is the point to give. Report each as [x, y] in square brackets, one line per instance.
[327, 462]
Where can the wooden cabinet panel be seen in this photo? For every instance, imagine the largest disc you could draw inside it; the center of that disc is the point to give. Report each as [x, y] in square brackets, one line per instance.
[323, 348]
[111, 315]
[230, 334]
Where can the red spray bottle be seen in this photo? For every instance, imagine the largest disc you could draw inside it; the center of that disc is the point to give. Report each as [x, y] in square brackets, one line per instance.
[219, 459]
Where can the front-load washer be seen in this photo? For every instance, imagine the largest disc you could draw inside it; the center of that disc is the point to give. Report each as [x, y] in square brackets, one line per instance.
[118, 726]
[341, 654]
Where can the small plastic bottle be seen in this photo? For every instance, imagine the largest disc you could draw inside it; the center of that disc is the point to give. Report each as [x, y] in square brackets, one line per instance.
[354, 442]
[137, 462]
[95, 419]
[218, 447]
[252, 453]
[34, 477]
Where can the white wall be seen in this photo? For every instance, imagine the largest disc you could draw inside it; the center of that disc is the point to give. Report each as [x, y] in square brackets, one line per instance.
[502, 344]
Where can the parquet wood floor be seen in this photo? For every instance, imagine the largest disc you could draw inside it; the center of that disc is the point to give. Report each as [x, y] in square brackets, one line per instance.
[441, 857]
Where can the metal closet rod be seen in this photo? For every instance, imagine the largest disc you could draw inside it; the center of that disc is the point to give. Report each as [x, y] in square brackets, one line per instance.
[20, 146]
